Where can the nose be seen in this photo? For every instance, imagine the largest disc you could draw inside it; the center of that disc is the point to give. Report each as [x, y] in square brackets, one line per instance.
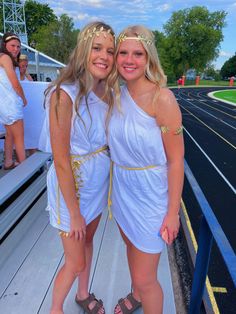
[129, 59]
[104, 54]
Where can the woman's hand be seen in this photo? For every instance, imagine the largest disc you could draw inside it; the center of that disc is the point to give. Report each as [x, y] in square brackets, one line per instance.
[77, 226]
[24, 101]
[170, 228]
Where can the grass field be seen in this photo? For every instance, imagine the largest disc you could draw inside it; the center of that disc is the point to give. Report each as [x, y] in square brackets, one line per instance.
[229, 95]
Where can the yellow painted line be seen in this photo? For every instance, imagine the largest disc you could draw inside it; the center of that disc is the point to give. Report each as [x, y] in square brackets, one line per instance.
[209, 128]
[219, 289]
[208, 284]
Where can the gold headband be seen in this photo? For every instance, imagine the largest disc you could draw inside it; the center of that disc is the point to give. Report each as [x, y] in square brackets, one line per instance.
[11, 37]
[97, 32]
[139, 37]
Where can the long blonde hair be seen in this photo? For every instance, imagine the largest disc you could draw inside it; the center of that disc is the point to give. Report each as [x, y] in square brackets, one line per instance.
[77, 69]
[154, 72]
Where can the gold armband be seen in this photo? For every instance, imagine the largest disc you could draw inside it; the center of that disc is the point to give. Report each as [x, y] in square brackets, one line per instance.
[166, 129]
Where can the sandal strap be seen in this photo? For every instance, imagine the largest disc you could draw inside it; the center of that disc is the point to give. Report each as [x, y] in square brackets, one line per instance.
[86, 302]
[98, 306]
[135, 304]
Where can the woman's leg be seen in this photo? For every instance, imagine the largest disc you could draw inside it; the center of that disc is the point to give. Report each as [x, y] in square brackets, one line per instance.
[74, 264]
[8, 146]
[143, 270]
[144, 277]
[129, 258]
[83, 289]
[17, 130]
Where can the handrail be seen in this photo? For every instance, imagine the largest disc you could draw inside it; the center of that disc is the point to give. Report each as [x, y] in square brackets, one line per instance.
[209, 229]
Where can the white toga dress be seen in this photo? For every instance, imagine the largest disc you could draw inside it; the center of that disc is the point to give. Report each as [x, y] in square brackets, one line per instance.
[92, 177]
[139, 196]
[11, 104]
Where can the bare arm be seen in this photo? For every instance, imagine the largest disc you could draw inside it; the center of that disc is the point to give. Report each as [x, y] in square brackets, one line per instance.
[6, 63]
[169, 116]
[29, 77]
[60, 128]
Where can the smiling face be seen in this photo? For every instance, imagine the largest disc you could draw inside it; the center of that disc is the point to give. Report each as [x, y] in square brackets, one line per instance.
[101, 57]
[131, 60]
[13, 47]
[23, 64]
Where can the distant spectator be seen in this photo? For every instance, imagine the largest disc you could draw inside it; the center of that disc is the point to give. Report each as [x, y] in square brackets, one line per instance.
[23, 65]
[12, 100]
[180, 81]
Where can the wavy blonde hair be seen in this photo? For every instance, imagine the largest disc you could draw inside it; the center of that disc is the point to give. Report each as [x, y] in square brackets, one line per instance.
[153, 72]
[77, 69]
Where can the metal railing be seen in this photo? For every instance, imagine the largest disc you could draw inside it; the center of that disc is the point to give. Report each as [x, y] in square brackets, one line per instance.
[209, 229]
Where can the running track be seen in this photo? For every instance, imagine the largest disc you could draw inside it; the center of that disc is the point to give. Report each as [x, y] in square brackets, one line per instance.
[210, 151]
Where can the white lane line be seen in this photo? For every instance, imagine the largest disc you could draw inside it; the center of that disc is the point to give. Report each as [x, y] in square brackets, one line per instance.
[213, 116]
[212, 163]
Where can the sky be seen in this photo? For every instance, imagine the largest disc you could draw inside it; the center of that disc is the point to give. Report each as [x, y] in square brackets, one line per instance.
[151, 13]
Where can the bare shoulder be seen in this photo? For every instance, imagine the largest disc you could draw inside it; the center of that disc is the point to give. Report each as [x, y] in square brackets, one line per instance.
[167, 107]
[166, 99]
[61, 99]
[5, 60]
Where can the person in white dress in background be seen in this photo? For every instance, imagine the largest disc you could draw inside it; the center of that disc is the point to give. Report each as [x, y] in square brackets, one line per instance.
[77, 105]
[147, 150]
[12, 100]
[23, 65]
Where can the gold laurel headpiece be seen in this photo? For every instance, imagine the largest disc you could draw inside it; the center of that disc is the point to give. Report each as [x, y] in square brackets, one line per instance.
[139, 37]
[11, 37]
[97, 32]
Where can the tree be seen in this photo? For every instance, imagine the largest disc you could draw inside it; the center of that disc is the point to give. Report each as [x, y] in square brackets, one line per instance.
[36, 16]
[193, 38]
[57, 39]
[229, 68]
[1, 17]
[161, 45]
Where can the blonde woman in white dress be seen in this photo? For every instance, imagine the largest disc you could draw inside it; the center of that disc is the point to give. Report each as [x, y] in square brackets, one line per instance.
[77, 105]
[146, 145]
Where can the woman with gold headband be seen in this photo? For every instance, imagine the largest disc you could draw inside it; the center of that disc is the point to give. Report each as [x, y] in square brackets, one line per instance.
[12, 100]
[77, 105]
[146, 146]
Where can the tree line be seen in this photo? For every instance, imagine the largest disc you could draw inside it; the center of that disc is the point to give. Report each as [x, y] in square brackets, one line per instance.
[190, 39]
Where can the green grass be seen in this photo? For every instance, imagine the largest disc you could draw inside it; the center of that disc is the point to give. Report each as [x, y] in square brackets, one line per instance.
[226, 95]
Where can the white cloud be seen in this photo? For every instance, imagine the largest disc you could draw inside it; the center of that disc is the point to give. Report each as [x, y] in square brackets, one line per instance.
[225, 54]
[164, 7]
[81, 16]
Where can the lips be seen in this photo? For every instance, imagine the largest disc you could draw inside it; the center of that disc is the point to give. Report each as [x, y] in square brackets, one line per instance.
[129, 69]
[101, 65]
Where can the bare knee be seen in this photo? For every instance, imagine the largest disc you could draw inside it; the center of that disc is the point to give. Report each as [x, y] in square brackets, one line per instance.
[75, 268]
[144, 283]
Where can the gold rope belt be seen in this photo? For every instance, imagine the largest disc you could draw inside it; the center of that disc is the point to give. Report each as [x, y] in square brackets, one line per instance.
[76, 164]
[111, 176]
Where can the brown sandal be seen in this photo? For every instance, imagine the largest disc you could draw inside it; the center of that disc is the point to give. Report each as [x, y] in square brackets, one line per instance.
[135, 304]
[85, 304]
[12, 166]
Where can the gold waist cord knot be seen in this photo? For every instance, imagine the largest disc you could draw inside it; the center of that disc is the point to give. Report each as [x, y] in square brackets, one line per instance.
[111, 176]
[75, 165]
